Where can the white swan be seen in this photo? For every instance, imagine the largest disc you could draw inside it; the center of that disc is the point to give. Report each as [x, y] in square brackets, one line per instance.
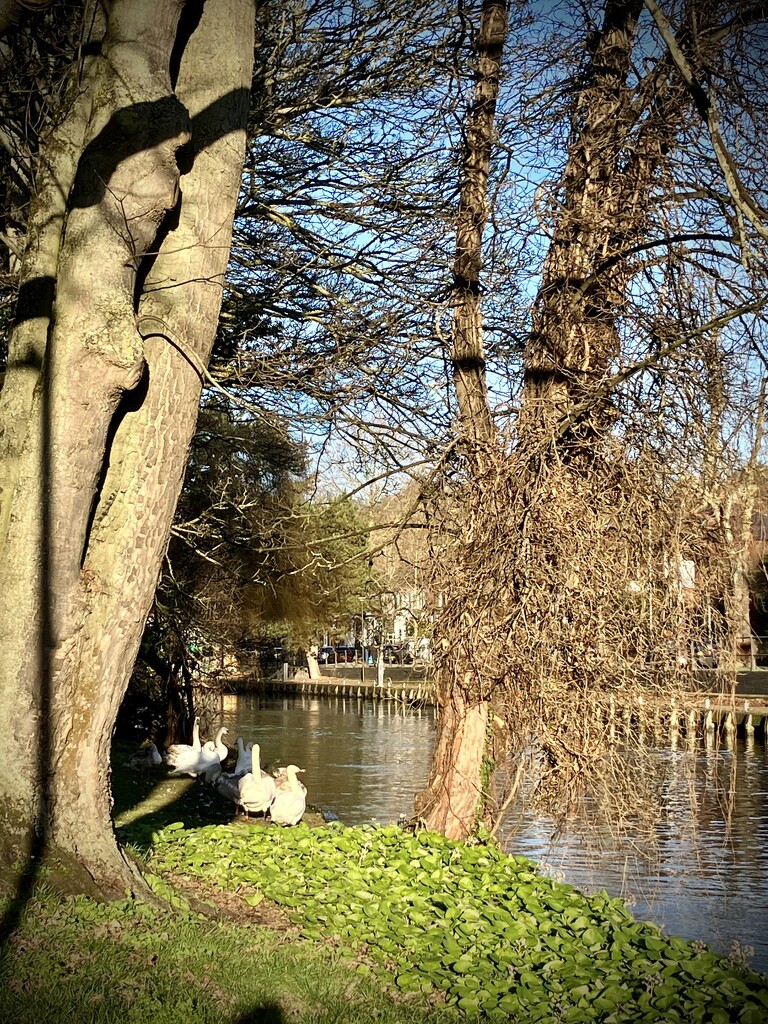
[222, 750]
[290, 802]
[256, 789]
[244, 757]
[147, 757]
[195, 745]
[197, 762]
[283, 781]
[182, 757]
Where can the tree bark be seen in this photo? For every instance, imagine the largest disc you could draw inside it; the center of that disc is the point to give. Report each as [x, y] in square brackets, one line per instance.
[147, 227]
[467, 354]
[602, 211]
[453, 800]
[54, 178]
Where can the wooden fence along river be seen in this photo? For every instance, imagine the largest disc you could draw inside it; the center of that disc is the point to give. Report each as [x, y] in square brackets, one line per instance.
[745, 711]
[403, 684]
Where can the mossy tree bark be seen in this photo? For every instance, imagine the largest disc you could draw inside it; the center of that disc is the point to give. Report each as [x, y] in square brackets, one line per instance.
[133, 284]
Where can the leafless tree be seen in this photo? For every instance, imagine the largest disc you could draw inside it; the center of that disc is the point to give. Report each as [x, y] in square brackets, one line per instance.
[565, 550]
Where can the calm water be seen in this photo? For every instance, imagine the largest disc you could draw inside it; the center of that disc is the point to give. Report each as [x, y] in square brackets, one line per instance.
[707, 879]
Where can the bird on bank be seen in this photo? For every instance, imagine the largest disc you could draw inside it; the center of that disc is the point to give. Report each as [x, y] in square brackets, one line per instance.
[183, 756]
[186, 760]
[147, 756]
[252, 792]
[244, 757]
[283, 780]
[222, 750]
[290, 800]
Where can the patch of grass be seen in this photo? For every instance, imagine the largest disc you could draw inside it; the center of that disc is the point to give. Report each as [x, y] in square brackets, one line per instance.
[127, 963]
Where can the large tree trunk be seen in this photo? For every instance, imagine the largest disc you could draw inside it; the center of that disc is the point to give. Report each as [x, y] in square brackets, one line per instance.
[107, 437]
[453, 800]
[602, 211]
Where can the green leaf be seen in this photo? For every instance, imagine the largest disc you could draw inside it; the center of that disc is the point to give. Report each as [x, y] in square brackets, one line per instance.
[464, 965]
[408, 981]
[470, 1004]
[593, 937]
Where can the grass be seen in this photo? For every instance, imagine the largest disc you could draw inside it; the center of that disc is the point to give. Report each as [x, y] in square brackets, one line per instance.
[127, 963]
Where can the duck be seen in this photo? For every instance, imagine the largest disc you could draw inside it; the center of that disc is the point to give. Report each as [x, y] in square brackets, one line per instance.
[256, 789]
[148, 756]
[244, 757]
[290, 801]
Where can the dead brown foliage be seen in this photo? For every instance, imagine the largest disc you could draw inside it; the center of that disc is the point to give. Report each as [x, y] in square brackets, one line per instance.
[569, 604]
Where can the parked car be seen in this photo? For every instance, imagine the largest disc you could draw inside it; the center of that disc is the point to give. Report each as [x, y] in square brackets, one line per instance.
[344, 653]
[326, 655]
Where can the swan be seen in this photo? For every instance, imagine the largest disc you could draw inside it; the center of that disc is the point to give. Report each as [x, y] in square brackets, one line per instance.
[177, 748]
[147, 757]
[256, 789]
[227, 786]
[222, 750]
[196, 762]
[182, 757]
[290, 802]
[282, 779]
[244, 757]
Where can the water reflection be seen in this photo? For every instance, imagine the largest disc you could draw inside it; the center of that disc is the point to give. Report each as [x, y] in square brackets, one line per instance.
[703, 876]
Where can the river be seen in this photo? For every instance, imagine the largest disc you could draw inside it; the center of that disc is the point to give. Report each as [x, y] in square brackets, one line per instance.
[706, 877]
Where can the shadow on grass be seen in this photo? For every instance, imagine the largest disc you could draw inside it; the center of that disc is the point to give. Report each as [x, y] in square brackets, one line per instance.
[270, 1013]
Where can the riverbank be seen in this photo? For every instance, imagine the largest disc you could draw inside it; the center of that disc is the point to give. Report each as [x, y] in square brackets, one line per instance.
[367, 924]
[322, 923]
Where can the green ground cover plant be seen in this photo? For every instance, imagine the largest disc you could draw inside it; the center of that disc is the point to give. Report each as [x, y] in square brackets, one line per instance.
[323, 923]
[425, 915]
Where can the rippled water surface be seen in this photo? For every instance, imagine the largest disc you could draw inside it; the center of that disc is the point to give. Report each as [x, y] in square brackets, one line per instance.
[707, 878]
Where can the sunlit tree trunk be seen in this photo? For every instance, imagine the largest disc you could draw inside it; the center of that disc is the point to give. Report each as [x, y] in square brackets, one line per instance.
[143, 247]
[453, 800]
